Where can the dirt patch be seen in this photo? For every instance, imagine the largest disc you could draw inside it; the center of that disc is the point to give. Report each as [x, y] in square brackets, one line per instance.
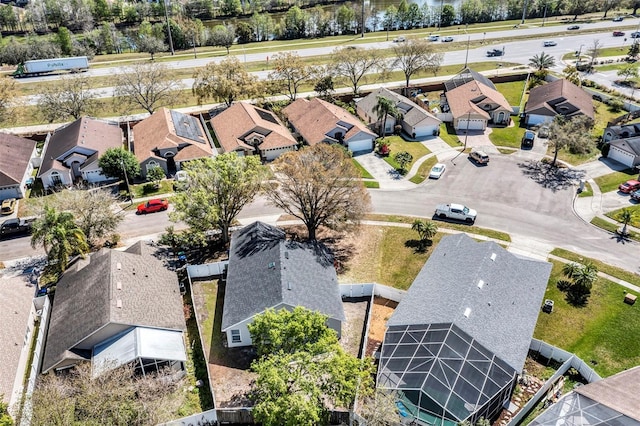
[380, 314]
[353, 328]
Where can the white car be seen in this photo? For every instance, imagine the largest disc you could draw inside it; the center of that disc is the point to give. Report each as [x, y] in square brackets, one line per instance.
[434, 37]
[550, 43]
[399, 39]
[437, 171]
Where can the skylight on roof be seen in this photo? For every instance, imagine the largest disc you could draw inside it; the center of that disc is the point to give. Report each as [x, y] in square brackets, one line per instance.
[480, 284]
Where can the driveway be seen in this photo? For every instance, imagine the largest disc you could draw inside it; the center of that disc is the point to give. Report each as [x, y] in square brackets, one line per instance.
[382, 172]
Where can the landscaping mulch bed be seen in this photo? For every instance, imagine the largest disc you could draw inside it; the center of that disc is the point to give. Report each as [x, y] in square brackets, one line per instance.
[381, 312]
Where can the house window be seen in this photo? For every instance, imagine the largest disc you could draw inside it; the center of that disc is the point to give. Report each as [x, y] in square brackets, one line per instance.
[235, 336]
[55, 178]
[486, 106]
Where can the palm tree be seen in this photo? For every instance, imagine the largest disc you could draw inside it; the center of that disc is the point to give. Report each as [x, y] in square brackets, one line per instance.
[384, 108]
[626, 216]
[426, 229]
[60, 236]
[542, 61]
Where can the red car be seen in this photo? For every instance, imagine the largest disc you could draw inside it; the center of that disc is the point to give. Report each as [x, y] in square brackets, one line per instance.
[629, 186]
[152, 206]
[618, 33]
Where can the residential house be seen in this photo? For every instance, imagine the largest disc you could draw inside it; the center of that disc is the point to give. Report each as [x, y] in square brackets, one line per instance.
[560, 97]
[610, 401]
[16, 165]
[114, 308]
[473, 102]
[168, 138]
[624, 144]
[459, 338]
[416, 122]
[267, 271]
[248, 130]
[71, 153]
[318, 121]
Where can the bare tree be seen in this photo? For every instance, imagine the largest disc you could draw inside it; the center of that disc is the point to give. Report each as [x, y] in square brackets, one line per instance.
[594, 50]
[225, 82]
[289, 73]
[8, 100]
[71, 96]
[150, 45]
[354, 65]
[146, 85]
[379, 409]
[415, 56]
[320, 186]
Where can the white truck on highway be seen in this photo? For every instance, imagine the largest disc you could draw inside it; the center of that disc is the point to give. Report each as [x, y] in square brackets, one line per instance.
[44, 66]
[457, 212]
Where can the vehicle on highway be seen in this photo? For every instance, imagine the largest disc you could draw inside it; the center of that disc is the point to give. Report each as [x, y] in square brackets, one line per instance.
[152, 206]
[618, 19]
[495, 52]
[635, 34]
[629, 186]
[618, 33]
[457, 212]
[549, 43]
[480, 157]
[447, 39]
[434, 37]
[635, 196]
[16, 226]
[437, 171]
[45, 66]
[528, 138]
[574, 27]
[8, 206]
[399, 39]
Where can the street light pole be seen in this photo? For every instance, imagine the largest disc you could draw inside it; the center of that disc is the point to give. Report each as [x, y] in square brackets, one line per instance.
[466, 132]
[544, 15]
[466, 58]
[362, 18]
[126, 179]
[166, 15]
[524, 11]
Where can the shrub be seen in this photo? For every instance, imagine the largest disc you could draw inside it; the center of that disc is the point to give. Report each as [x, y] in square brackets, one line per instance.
[615, 105]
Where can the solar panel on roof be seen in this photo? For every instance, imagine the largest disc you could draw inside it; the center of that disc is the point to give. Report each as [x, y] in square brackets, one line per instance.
[187, 127]
[266, 115]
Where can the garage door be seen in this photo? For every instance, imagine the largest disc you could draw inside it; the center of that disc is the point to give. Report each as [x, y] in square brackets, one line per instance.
[361, 145]
[426, 130]
[620, 156]
[474, 124]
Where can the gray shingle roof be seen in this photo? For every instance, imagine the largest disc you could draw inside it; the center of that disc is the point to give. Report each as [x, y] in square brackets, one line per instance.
[266, 270]
[630, 145]
[465, 76]
[502, 314]
[412, 116]
[87, 296]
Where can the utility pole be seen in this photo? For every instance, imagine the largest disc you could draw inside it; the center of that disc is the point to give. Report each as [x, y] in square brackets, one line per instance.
[166, 15]
[524, 11]
[466, 58]
[544, 15]
[362, 18]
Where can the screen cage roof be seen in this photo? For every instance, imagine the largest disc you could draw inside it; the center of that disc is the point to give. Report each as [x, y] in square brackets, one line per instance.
[578, 410]
[441, 370]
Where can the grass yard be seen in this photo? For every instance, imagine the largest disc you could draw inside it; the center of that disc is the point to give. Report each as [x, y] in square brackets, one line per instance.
[587, 191]
[424, 169]
[635, 220]
[605, 333]
[622, 274]
[147, 189]
[612, 227]
[397, 144]
[610, 182]
[448, 135]
[371, 184]
[603, 115]
[512, 91]
[508, 136]
[364, 174]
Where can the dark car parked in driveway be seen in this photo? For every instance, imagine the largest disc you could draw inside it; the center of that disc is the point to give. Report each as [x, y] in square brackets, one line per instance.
[528, 138]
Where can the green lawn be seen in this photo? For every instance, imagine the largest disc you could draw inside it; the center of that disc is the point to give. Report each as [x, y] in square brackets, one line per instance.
[448, 135]
[604, 334]
[612, 227]
[619, 273]
[372, 184]
[508, 136]
[397, 144]
[424, 169]
[364, 174]
[635, 220]
[603, 116]
[147, 189]
[587, 192]
[512, 91]
[610, 182]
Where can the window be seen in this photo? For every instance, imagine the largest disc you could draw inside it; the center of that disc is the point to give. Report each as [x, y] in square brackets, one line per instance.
[235, 336]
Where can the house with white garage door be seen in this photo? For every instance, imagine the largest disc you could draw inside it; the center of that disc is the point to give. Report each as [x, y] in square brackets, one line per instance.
[317, 121]
[416, 122]
[473, 102]
[624, 143]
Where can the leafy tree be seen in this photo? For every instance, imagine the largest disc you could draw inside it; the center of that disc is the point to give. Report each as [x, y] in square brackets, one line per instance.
[71, 96]
[63, 39]
[634, 49]
[119, 163]
[8, 98]
[426, 230]
[353, 65]
[61, 238]
[151, 45]
[155, 175]
[244, 32]
[542, 61]
[101, 11]
[289, 73]
[345, 17]
[572, 133]
[293, 23]
[231, 7]
[383, 109]
[225, 82]
[320, 186]
[403, 158]
[223, 36]
[324, 86]
[629, 71]
[571, 73]
[414, 56]
[291, 331]
[5, 418]
[146, 85]
[219, 188]
[447, 15]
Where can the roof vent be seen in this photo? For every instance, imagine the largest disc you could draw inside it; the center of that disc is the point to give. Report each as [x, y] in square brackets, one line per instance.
[119, 285]
[118, 266]
[493, 256]
[467, 312]
[480, 284]
[119, 303]
[288, 285]
[286, 254]
[272, 265]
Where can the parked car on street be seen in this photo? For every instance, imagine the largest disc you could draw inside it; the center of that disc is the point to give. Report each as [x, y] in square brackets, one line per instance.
[549, 43]
[457, 212]
[152, 206]
[635, 34]
[8, 206]
[528, 138]
[447, 39]
[495, 52]
[574, 27]
[629, 186]
[437, 171]
[618, 33]
[480, 157]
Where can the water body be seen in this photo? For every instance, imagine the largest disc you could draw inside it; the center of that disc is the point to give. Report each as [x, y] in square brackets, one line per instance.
[383, 4]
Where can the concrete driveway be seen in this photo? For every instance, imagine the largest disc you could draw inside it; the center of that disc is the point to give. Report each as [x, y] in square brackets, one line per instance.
[381, 171]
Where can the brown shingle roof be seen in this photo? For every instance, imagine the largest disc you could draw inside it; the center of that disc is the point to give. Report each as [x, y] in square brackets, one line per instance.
[551, 98]
[314, 119]
[619, 392]
[241, 120]
[159, 132]
[90, 133]
[87, 295]
[461, 98]
[15, 154]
